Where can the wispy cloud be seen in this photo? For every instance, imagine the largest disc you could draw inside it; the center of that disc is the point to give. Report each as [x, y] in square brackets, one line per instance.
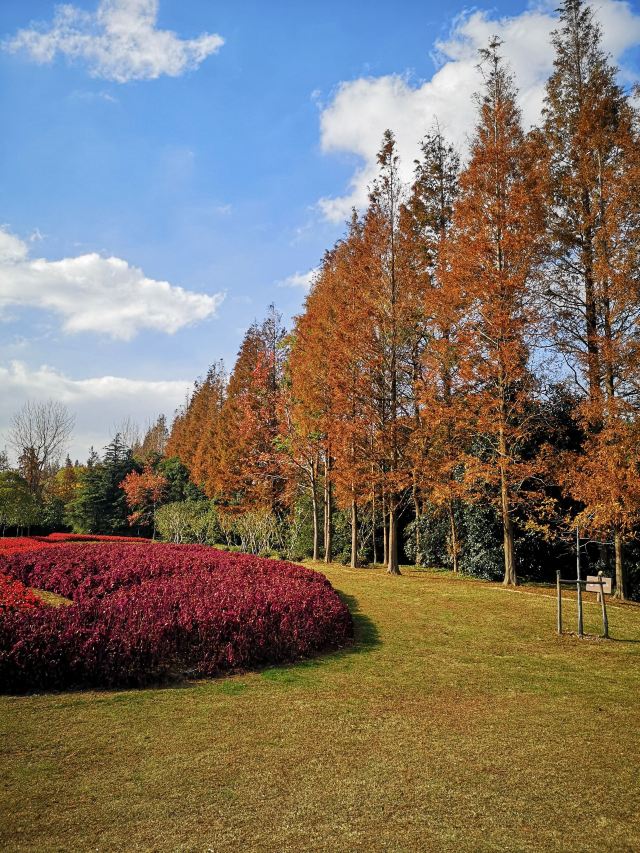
[119, 41]
[89, 96]
[97, 294]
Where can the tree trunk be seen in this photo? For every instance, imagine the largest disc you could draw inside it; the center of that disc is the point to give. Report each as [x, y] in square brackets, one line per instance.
[354, 534]
[314, 505]
[454, 535]
[393, 567]
[510, 578]
[507, 526]
[416, 509]
[373, 527]
[621, 580]
[385, 538]
[327, 510]
[590, 303]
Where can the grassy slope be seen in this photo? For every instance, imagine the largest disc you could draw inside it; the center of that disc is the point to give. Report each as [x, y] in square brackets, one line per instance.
[458, 722]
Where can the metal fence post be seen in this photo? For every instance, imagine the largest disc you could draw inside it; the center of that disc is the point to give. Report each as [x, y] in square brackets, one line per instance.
[559, 587]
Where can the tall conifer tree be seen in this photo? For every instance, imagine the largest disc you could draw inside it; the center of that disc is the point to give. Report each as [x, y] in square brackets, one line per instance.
[496, 244]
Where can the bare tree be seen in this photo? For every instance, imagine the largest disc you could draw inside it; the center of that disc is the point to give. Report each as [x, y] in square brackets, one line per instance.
[130, 433]
[38, 434]
[155, 438]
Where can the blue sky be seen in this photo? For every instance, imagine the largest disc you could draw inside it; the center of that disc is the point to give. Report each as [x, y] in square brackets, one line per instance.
[214, 147]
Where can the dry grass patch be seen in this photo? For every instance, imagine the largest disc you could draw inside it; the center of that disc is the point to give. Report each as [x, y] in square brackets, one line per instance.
[459, 721]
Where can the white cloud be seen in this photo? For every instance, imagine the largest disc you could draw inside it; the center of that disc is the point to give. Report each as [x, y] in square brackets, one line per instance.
[362, 109]
[97, 294]
[96, 402]
[12, 249]
[119, 41]
[300, 279]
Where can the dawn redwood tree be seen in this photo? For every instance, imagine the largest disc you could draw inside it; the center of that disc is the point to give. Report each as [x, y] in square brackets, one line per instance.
[438, 437]
[350, 376]
[591, 282]
[586, 132]
[192, 437]
[612, 418]
[208, 426]
[605, 480]
[154, 443]
[393, 314]
[495, 249]
[249, 472]
[310, 369]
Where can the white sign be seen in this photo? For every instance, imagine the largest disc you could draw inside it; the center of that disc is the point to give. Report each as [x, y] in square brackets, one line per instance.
[593, 584]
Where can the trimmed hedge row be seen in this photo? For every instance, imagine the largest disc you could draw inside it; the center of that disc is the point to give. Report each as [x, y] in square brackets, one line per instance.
[15, 544]
[147, 613]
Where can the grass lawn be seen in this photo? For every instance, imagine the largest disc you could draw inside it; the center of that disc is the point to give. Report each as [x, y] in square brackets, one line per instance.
[459, 721]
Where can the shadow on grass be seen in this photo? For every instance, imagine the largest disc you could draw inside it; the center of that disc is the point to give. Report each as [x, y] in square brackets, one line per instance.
[366, 635]
[621, 640]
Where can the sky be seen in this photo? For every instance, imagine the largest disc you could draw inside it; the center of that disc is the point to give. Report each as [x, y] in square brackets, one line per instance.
[169, 169]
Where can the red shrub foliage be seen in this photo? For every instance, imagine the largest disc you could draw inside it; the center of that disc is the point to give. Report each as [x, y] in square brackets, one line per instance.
[143, 613]
[15, 596]
[14, 544]
[87, 537]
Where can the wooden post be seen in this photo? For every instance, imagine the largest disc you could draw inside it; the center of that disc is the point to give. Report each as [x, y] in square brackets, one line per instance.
[579, 585]
[559, 601]
[605, 621]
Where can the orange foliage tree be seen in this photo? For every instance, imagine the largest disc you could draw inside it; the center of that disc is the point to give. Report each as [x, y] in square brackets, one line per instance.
[605, 479]
[249, 470]
[495, 249]
[310, 370]
[193, 438]
[437, 439]
[143, 492]
[592, 286]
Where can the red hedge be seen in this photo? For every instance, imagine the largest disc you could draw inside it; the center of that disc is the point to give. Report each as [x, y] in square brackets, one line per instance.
[15, 596]
[143, 613]
[14, 544]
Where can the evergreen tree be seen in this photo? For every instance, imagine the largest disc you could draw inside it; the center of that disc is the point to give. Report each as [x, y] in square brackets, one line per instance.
[180, 486]
[100, 505]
